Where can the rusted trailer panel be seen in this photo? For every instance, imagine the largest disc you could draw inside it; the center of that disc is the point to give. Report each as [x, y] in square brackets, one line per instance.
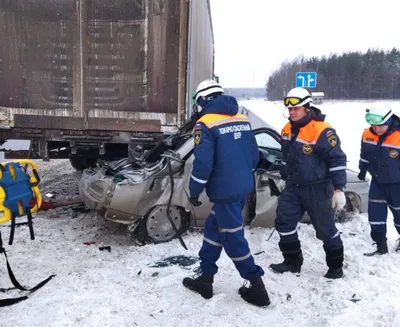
[88, 73]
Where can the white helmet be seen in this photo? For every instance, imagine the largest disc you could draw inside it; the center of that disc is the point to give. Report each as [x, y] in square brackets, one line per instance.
[297, 97]
[378, 115]
[206, 88]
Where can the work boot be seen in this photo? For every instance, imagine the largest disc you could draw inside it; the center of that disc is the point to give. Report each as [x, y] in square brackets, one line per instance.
[334, 260]
[201, 284]
[334, 273]
[382, 248]
[293, 258]
[255, 294]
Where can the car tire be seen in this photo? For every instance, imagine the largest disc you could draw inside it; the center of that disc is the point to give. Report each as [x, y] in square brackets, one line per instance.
[155, 227]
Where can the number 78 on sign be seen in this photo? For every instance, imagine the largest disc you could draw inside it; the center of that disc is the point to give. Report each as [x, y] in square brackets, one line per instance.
[306, 79]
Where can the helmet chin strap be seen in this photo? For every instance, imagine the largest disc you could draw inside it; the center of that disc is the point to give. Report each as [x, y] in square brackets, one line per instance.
[285, 113]
[201, 102]
[197, 108]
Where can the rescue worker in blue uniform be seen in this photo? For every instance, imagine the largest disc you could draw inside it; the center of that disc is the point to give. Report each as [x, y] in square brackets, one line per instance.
[226, 154]
[314, 167]
[380, 146]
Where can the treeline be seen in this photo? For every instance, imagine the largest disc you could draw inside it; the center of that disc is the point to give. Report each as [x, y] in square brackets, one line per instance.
[245, 92]
[352, 75]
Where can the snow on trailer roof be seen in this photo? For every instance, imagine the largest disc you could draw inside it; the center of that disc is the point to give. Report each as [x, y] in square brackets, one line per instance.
[317, 94]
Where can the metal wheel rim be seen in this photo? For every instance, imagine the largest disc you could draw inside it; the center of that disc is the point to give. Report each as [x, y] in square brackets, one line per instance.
[158, 226]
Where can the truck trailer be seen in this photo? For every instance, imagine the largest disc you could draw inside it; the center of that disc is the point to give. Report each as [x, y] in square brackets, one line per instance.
[83, 79]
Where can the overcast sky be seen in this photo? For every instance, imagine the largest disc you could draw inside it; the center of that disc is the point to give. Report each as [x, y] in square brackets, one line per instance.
[252, 37]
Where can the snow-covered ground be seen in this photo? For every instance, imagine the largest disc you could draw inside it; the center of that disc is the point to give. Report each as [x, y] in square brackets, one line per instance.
[121, 288]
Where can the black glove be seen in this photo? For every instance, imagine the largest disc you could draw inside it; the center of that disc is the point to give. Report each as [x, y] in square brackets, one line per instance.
[273, 187]
[361, 175]
[195, 202]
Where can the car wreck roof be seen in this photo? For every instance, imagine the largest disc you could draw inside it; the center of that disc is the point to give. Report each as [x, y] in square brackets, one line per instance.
[256, 120]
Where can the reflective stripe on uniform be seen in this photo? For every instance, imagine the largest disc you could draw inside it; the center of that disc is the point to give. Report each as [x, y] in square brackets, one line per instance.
[291, 232]
[248, 255]
[212, 120]
[198, 180]
[391, 141]
[305, 142]
[230, 230]
[370, 142]
[337, 168]
[391, 146]
[308, 135]
[394, 208]
[205, 239]
[288, 233]
[226, 121]
[376, 201]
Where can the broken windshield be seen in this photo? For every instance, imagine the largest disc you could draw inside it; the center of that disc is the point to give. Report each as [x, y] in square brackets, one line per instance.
[172, 142]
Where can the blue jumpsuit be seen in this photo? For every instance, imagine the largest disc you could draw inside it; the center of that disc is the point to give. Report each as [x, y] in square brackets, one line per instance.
[226, 153]
[314, 165]
[380, 157]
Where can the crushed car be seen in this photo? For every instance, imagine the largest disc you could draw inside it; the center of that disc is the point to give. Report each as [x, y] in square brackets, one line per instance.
[150, 191]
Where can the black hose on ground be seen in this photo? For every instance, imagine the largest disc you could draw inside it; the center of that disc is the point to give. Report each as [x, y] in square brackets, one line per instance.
[171, 176]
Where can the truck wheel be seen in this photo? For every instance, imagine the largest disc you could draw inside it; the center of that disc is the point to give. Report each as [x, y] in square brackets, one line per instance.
[80, 161]
[156, 228]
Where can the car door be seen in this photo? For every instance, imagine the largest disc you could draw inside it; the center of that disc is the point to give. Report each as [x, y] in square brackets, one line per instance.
[269, 145]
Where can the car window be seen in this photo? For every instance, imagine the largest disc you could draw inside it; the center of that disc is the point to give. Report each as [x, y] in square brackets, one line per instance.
[266, 140]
